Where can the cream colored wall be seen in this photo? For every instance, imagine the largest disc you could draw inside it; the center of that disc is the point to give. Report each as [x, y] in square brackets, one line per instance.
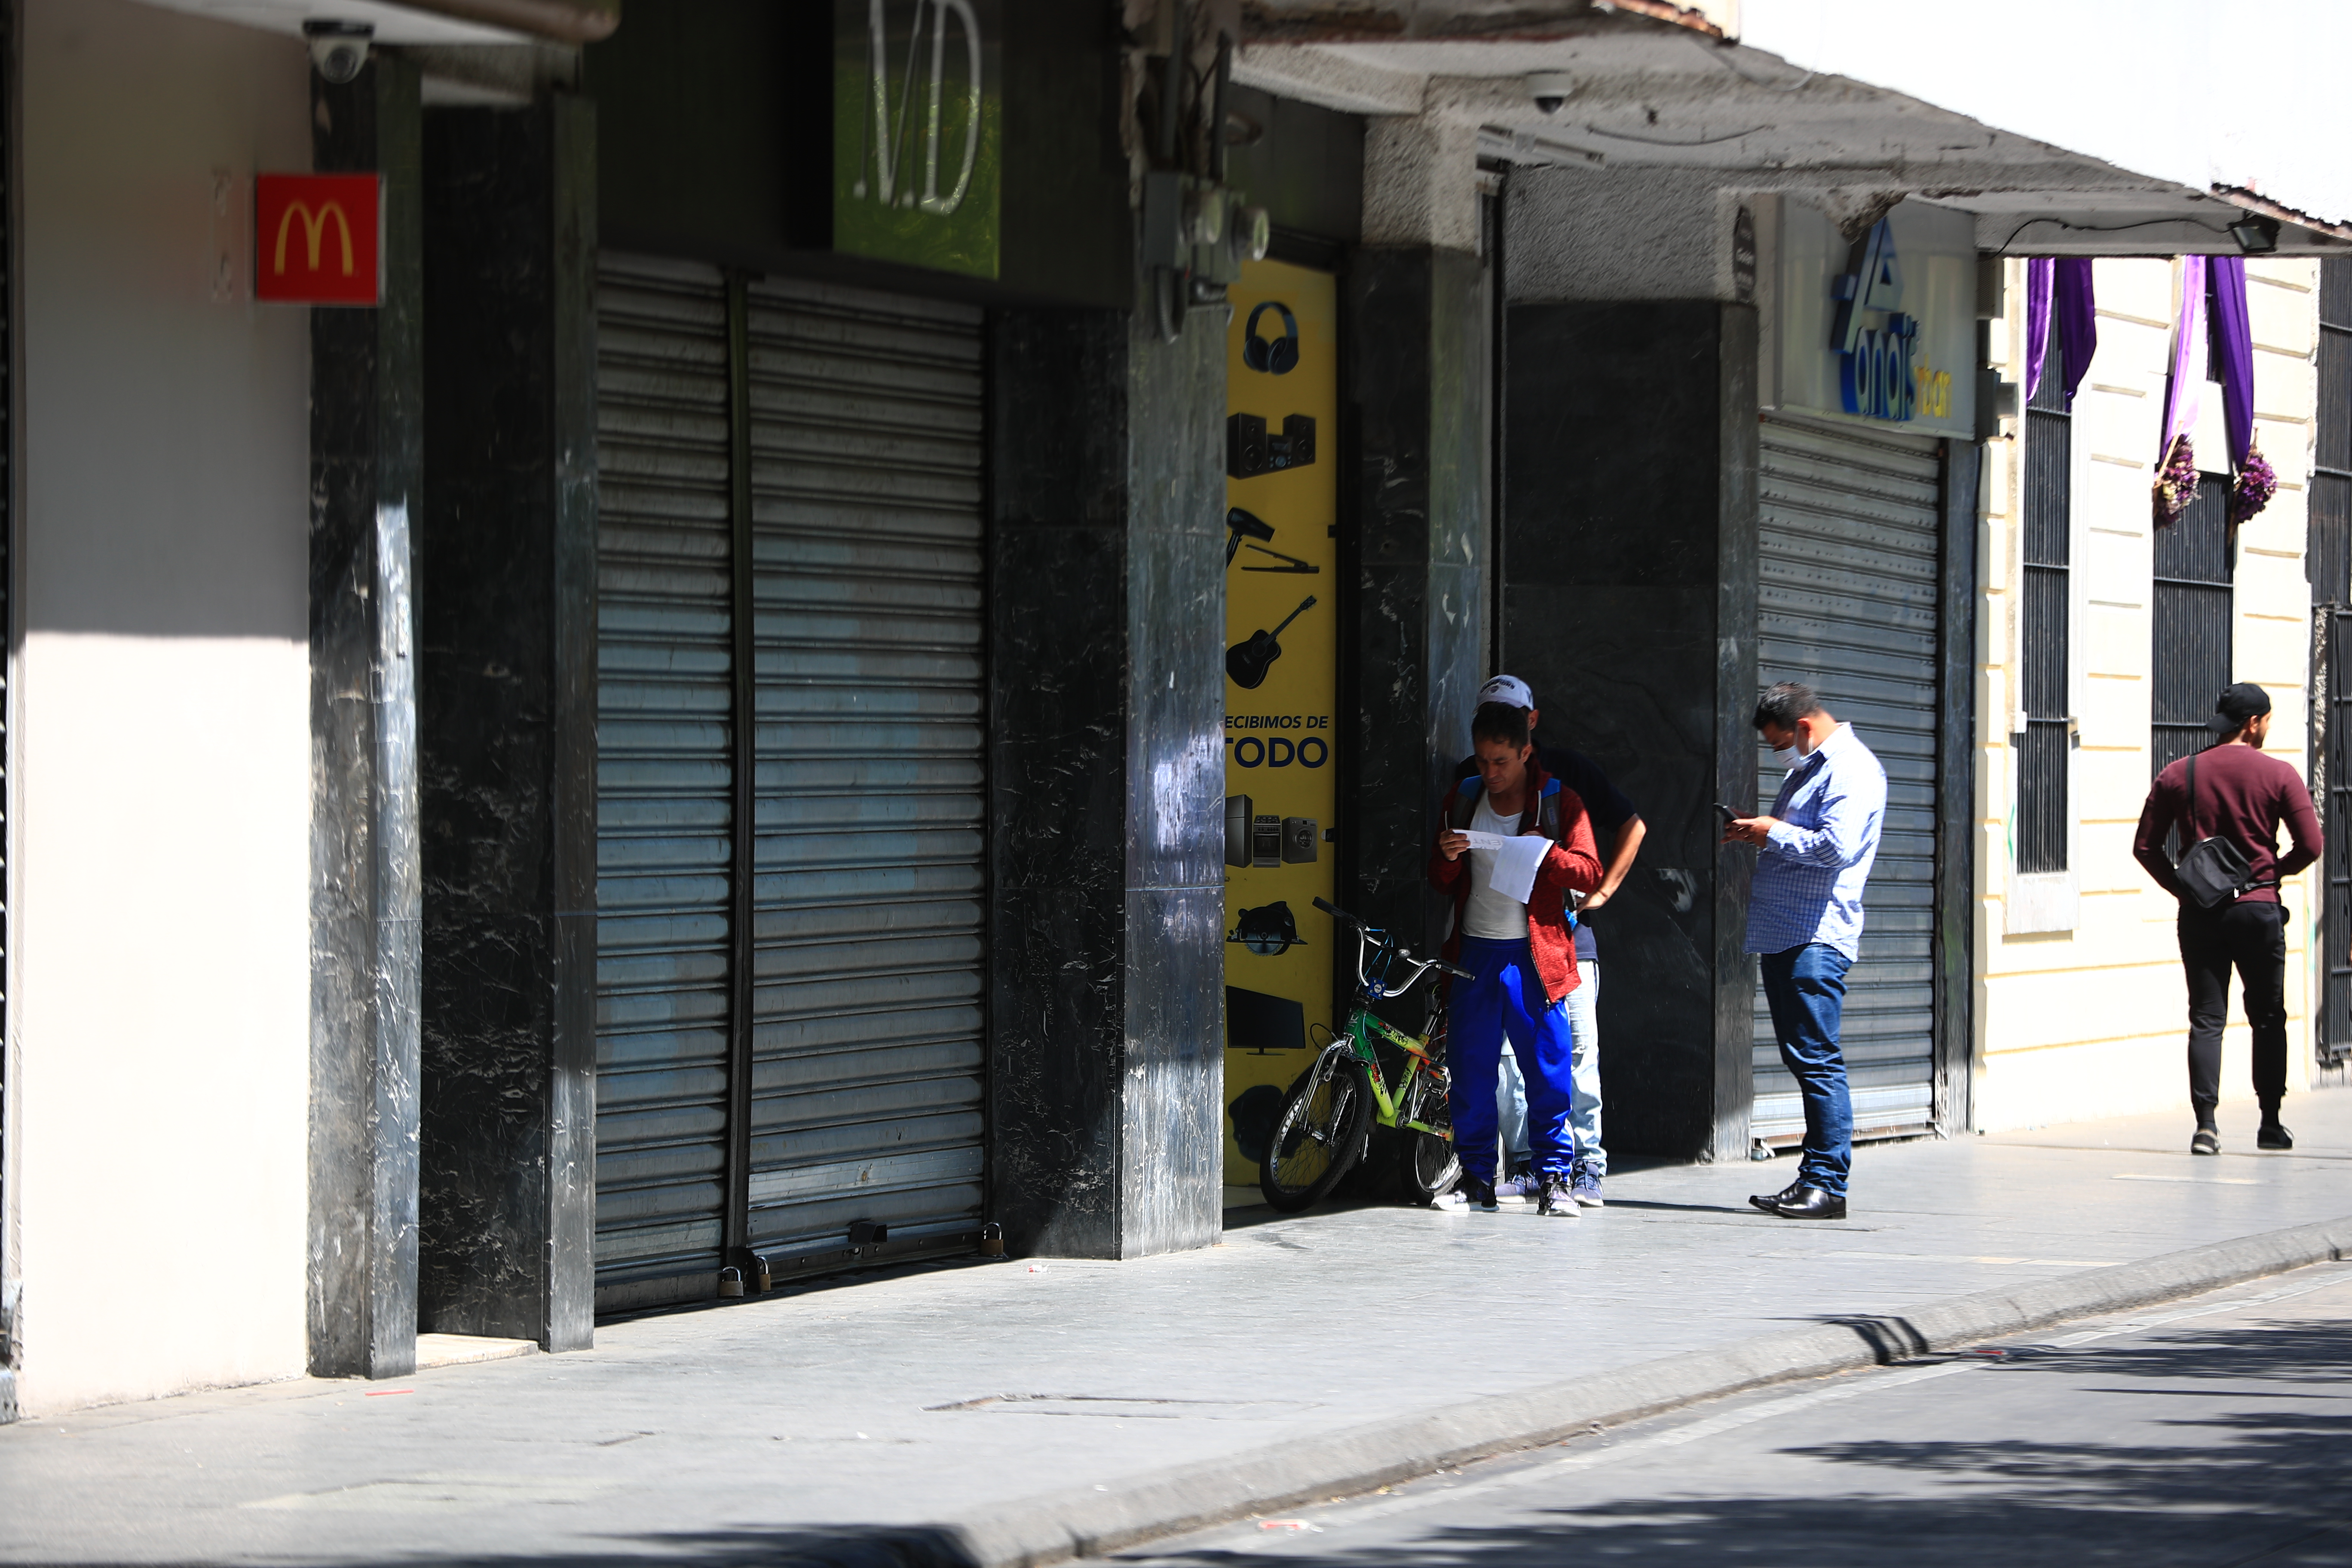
[2092, 1022]
[159, 1004]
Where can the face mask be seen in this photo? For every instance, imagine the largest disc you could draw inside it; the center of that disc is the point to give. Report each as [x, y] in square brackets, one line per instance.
[1785, 757]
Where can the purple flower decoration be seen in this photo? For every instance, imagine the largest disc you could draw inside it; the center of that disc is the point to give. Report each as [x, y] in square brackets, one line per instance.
[2176, 483]
[2257, 482]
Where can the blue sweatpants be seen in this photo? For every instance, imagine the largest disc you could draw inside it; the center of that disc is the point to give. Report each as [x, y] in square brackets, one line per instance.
[1505, 997]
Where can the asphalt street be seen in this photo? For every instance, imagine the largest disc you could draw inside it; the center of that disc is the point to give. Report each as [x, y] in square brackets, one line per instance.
[2209, 1432]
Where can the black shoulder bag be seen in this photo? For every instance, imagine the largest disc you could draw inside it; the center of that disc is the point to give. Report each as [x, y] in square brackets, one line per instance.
[2213, 870]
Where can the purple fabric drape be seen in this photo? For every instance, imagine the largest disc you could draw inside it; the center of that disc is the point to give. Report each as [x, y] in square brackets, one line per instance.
[2037, 322]
[2233, 344]
[2180, 393]
[2078, 322]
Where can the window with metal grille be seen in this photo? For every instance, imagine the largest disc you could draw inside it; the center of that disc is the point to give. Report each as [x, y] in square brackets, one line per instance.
[2193, 611]
[2045, 652]
[2328, 561]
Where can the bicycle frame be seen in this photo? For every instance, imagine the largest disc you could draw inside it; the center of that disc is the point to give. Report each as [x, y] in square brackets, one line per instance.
[1364, 1026]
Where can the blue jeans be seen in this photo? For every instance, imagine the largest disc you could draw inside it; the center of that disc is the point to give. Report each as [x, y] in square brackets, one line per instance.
[1584, 1073]
[1805, 987]
[1504, 998]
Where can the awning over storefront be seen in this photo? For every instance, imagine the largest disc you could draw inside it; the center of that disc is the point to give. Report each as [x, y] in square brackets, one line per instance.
[440, 22]
[2054, 143]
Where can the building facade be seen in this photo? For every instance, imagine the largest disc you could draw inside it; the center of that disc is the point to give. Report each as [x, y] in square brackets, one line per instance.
[778, 703]
[2082, 1001]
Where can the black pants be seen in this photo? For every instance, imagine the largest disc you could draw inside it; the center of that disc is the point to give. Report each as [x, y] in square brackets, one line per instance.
[2253, 936]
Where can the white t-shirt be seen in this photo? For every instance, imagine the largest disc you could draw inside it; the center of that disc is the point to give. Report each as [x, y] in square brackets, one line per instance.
[1488, 914]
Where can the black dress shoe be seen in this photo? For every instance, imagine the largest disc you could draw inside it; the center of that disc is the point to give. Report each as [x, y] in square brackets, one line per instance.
[1810, 1203]
[1771, 1202]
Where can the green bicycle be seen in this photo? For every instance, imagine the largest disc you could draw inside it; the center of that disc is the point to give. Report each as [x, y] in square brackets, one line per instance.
[1327, 1121]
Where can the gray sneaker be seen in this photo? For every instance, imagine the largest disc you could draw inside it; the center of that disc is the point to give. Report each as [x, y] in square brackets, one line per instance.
[1557, 1202]
[1519, 1189]
[1585, 1187]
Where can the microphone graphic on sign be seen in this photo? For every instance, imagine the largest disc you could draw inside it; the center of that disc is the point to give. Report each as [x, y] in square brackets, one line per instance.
[1247, 662]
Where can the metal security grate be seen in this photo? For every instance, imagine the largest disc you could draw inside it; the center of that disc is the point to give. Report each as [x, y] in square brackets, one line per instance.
[2329, 562]
[664, 775]
[2045, 645]
[2193, 610]
[866, 423]
[791, 593]
[1847, 602]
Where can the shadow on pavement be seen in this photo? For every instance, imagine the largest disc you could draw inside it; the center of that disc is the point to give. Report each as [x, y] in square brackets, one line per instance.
[2242, 1487]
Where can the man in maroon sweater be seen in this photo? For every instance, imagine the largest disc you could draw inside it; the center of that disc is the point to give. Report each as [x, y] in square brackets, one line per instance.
[2242, 796]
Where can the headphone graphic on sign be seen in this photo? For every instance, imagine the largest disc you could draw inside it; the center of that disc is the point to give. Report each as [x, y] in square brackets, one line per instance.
[1275, 356]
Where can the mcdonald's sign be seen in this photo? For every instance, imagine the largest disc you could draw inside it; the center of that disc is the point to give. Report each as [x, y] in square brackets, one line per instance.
[315, 240]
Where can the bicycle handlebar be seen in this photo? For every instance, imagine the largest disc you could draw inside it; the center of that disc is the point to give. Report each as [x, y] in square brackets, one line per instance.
[1368, 933]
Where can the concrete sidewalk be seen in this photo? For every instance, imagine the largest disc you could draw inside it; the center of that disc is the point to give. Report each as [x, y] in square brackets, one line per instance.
[806, 1423]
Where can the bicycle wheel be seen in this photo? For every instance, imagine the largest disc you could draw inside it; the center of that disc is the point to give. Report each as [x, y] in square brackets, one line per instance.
[1430, 1164]
[1319, 1135]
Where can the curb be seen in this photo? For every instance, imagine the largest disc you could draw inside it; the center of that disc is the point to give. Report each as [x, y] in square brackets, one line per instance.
[1057, 1527]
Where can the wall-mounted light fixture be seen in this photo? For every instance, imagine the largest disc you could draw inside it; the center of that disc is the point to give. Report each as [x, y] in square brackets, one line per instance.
[2255, 235]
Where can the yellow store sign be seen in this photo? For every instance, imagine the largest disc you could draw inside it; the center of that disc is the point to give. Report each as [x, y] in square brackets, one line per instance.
[1282, 638]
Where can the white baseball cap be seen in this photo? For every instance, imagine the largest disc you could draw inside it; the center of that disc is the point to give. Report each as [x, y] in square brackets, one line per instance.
[1508, 689]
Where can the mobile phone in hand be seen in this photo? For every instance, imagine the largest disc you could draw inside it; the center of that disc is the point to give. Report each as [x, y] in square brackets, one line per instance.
[1728, 816]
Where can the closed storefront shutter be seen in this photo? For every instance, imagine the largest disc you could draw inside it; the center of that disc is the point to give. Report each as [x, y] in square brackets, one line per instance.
[774, 1092]
[1847, 604]
[866, 424]
[663, 770]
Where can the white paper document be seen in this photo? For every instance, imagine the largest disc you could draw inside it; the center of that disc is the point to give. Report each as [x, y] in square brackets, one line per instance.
[1516, 861]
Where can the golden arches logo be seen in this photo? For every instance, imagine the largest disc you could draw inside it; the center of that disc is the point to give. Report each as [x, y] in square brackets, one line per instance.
[314, 233]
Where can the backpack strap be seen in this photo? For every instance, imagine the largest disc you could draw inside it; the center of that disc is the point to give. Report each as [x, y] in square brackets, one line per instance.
[1543, 811]
[1465, 802]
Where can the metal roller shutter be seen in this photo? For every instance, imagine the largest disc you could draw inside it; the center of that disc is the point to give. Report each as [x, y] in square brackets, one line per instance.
[866, 434]
[1847, 604]
[663, 772]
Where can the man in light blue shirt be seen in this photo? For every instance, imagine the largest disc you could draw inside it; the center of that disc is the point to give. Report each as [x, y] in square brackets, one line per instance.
[1804, 918]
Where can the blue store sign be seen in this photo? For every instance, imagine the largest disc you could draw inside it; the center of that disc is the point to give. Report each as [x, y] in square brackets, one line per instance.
[1881, 328]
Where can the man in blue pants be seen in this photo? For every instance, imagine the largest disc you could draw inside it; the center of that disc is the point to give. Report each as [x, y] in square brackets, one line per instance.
[1805, 921]
[1519, 952]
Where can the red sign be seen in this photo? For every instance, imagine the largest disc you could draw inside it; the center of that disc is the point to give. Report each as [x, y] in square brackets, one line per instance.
[314, 239]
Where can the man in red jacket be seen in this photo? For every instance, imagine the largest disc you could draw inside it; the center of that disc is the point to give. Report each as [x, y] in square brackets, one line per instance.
[1520, 954]
[2242, 795]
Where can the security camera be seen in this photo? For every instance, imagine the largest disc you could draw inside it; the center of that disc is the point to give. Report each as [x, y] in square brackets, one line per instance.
[337, 49]
[1549, 90]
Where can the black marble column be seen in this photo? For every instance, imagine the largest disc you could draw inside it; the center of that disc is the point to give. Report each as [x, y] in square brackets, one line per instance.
[1414, 536]
[1107, 694]
[507, 714]
[365, 459]
[1630, 529]
[1956, 793]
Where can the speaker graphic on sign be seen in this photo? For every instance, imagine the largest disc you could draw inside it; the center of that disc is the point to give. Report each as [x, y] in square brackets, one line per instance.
[317, 240]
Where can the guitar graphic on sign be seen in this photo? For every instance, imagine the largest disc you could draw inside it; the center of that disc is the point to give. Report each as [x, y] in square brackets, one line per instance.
[1247, 662]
